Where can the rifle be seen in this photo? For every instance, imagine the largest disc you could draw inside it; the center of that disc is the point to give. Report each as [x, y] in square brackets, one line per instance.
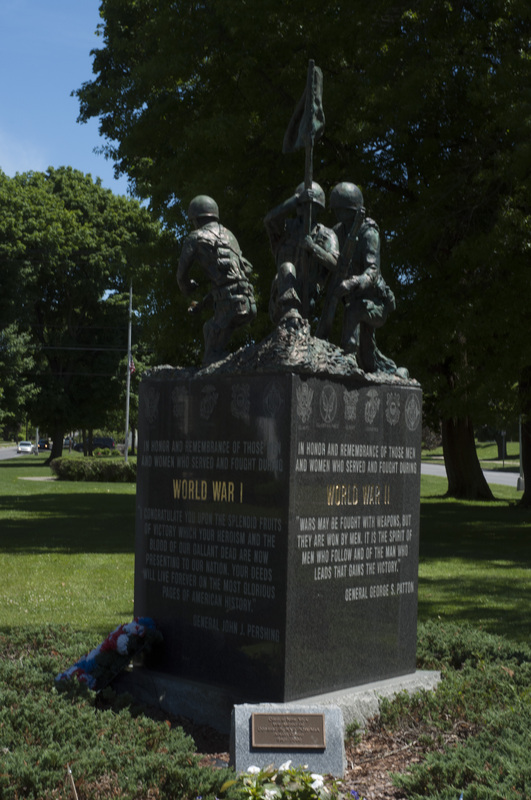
[343, 263]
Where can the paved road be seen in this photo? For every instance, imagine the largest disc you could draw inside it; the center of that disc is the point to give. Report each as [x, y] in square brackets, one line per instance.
[10, 452]
[7, 452]
[501, 478]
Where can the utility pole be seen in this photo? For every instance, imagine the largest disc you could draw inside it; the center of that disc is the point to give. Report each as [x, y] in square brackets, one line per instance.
[520, 483]
[128, 383]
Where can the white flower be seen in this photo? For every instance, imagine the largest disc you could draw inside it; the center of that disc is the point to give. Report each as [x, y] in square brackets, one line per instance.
[286, 765]
[271, 794]
[318, 781]
[253, 770]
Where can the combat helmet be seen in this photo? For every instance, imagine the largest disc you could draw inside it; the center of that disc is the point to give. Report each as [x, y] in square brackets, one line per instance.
[203, 206]
[346, 195]
[319, 195]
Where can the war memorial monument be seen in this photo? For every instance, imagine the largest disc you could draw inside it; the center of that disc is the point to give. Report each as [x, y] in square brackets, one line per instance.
[278, 486]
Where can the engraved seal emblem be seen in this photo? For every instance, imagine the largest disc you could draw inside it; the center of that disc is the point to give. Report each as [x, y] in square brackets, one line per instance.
[208, 402]
[273, 400]
[241, 401]
[328, 404]
[304, 402]
[413, 412]
[151, 404]
[351, 404]
[392, 411]
[372, 406]
[179, 400]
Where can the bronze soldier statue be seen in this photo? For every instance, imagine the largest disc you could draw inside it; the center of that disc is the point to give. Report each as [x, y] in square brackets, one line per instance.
[367, 299]
[304, 258]
[214, 248]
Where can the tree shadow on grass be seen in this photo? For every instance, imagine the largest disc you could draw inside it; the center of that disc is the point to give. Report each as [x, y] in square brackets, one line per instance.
[475, 531]
[68, 523]
[494, 604]
[492, 542]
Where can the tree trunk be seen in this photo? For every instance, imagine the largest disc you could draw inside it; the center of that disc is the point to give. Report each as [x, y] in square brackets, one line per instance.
[501, 442]
[524, 390]
[57, 445]
[465, 476]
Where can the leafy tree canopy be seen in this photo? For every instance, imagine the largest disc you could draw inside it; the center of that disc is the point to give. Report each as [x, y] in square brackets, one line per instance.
[67, 245]
[428, 109]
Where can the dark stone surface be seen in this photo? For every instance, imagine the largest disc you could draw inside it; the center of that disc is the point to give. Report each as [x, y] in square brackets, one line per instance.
[277, 529]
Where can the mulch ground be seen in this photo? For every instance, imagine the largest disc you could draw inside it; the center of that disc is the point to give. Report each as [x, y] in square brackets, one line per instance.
[369, 764]
[370, 761]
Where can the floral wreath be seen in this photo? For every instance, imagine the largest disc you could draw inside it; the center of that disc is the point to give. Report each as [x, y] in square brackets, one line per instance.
[102, 664]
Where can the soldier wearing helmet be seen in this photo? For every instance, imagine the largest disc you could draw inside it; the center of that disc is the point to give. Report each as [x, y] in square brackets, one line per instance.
[302, 253]
[367, 299]
[215, 249]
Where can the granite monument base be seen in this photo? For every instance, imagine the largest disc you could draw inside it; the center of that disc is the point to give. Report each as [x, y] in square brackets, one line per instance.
[277, 530]
[210, 705]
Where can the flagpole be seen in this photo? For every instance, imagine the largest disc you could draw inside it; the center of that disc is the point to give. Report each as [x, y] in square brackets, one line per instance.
[128, 380]
[307, 125]
[308, 183]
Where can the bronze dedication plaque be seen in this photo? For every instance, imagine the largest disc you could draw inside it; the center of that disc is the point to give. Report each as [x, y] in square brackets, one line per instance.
[288, 730]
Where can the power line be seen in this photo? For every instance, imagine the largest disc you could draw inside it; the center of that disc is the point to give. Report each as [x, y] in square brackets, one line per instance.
[87, 349]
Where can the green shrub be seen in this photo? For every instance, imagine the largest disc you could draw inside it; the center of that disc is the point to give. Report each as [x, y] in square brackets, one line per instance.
[106, 452]
[478, 720]
[93, 469]
[493, 763]
[112, 753]
[445, 645]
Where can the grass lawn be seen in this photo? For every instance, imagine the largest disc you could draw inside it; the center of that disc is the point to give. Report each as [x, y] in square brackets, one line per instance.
[66, 559]
[487, 454]
[67, 554]
[66, 549]
[475, 560]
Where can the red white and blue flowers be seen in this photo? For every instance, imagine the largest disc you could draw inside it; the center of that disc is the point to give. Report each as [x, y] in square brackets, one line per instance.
[103, 663]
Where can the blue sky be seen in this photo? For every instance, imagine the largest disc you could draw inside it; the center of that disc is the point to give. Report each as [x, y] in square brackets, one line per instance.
[45, 55]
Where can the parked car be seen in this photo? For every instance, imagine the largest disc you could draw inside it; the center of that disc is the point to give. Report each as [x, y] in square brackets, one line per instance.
[103, 441]
[26, 447]
[44, 444]
[97, 442]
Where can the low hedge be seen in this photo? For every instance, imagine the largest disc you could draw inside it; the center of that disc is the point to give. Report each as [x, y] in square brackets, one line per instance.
[93, 469]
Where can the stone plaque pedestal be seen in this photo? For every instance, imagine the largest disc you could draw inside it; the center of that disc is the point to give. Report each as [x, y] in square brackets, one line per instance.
[277, 530]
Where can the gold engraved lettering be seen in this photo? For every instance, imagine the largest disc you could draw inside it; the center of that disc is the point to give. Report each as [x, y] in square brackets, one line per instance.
[189, 489]
[223, 491]
[341, 494]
